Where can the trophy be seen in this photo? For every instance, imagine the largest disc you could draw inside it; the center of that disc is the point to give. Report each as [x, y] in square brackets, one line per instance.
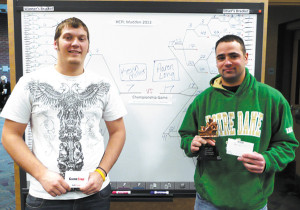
[207, 151]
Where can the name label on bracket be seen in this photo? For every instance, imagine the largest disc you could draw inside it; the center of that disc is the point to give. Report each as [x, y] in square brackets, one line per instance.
[39, 9]
[236, 11]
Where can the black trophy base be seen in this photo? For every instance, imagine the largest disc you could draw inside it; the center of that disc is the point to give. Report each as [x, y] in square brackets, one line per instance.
[209, 152]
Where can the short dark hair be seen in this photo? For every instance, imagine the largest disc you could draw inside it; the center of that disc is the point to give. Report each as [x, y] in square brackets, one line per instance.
[232, 38]
[72, 22]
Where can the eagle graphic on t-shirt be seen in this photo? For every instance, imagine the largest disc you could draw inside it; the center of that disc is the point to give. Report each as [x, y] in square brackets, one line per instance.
[70, 102]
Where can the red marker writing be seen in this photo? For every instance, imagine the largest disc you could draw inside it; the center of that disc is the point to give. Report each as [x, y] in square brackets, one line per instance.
[121, 192]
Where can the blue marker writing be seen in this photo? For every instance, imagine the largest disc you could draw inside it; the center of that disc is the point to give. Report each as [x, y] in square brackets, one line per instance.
[160, 192]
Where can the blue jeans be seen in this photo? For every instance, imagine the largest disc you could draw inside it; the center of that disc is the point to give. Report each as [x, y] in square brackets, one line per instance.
[201, 204]
[97, 201]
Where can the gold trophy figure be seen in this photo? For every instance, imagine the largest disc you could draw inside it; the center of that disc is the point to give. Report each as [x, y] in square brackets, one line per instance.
[209, 152]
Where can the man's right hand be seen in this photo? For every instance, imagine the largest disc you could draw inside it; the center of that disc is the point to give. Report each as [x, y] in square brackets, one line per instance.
[54, 183]
[198, 142]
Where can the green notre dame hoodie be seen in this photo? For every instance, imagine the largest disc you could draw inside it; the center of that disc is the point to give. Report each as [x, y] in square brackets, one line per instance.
[255, 113]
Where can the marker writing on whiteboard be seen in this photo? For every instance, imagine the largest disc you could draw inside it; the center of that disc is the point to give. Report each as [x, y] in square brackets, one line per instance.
[121, 192]
[160, 192]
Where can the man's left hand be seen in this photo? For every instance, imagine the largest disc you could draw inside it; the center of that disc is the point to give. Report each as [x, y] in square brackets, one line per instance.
[253, 162]
[94, 184]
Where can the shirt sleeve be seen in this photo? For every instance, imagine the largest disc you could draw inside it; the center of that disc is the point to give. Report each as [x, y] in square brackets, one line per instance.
[114, 108]
[283, 143]
[189, 129]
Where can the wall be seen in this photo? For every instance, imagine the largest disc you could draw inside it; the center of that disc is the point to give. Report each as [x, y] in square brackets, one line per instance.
[284, 2]
[176, 204]
[276, 16]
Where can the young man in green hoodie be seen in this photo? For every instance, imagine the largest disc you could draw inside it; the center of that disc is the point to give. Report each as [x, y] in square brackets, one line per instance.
[248, 113]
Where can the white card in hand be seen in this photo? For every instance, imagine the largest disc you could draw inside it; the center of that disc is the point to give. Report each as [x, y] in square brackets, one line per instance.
[238, 148]
[76, 179]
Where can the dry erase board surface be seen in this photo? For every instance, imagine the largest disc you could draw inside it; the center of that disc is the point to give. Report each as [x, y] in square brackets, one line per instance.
[159, 62]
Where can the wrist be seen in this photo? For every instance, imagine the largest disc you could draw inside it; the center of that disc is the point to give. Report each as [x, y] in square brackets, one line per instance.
[103, 170]
[40, 174]
[101, 173]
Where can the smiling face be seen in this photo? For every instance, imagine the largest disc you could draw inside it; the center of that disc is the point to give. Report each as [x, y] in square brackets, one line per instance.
[72, 47]
[231, 62]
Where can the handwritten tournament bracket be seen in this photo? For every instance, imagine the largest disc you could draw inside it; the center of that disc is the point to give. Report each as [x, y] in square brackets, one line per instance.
[158, 62]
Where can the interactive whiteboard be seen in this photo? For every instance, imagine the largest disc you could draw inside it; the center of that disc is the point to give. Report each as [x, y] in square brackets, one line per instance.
[159, 62]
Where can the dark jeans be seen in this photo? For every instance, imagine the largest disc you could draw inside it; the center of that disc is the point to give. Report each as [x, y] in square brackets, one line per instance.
[97, 201]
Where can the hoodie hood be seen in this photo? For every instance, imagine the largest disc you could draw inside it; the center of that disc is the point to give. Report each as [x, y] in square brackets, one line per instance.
[247, 84]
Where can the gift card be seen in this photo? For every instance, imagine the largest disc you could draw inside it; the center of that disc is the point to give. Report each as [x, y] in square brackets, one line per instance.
[76, 179]
[238, 148]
